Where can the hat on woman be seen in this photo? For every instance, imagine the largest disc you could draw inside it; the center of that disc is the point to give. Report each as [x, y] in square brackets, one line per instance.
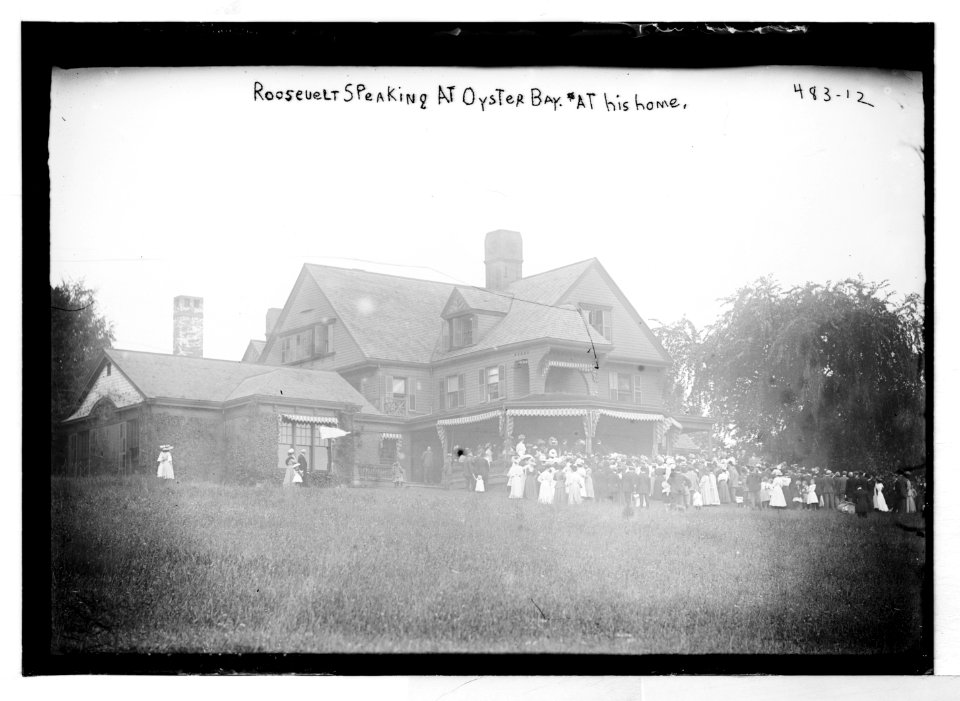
[290, 452]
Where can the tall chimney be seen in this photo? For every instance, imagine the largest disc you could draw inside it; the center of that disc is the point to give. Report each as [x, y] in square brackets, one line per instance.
[188, 326]
[273, 316]
[504, 258]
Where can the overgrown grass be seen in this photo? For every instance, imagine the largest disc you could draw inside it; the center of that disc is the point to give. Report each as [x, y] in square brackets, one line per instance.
[150, 566]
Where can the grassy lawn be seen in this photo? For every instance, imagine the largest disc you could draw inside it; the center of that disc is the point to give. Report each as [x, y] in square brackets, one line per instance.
[147, 566]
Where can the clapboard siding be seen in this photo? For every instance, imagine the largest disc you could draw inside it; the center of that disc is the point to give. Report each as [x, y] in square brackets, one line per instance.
[310, 306]
[630, 340]
[112, 385]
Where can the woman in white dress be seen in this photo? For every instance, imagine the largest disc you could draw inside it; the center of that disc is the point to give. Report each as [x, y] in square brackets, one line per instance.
[777, 500]
[165, 463]
[291, 469]
[711, 497]
[879, 503]
[515, 478]
[547, 486]
[574, 484]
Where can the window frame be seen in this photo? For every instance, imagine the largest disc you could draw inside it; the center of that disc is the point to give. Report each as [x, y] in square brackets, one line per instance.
[606, 318]
[290, 343]
[461, 326]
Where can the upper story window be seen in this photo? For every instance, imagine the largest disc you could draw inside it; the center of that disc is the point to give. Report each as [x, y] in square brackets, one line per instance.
[453, 392]
[493, 383]
[625, 387]
[600, 318]
[399, 397]
[462, 330]
[312, 342]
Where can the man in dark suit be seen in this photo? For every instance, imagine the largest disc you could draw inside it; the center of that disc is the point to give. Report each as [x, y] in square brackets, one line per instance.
[304, 467]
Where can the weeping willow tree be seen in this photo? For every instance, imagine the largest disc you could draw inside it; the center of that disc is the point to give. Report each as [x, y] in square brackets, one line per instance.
[683, 393]
[831, 374]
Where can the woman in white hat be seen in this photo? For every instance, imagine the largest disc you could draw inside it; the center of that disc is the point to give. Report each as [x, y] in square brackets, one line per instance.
[292, 465]
[165, 463]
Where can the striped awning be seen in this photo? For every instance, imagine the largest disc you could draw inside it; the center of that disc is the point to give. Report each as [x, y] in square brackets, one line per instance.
[631, 415]
[559, 411]
[460, 420]
[300, 419]
[581, 366]
[396, 436]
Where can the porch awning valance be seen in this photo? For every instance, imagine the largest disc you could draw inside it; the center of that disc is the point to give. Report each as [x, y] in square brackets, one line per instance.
[559, 411]
[300, 419]
[460, 420]
[396, 436]
[631, 415]
[583, 367]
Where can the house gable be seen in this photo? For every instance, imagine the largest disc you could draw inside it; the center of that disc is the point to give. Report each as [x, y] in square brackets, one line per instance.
[306, 308]
[110, 384]
[631, 337]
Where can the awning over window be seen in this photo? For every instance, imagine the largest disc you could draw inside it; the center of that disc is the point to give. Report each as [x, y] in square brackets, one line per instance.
[395, 436]
[460, 420]
[582, 367]
[299, 419]
[631, 415]
[560, 411]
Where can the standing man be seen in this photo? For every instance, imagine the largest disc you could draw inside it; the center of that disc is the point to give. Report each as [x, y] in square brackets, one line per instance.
[427, 464]
[843, 487]
[466, 466]
[304, 467]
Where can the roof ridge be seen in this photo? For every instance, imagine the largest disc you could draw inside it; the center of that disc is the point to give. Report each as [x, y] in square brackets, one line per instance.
[553, 270]
[373, 272]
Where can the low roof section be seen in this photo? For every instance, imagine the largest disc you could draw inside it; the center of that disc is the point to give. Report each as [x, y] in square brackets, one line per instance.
[189, 379]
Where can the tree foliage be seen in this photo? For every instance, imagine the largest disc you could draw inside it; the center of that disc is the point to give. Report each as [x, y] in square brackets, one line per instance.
[78, 334]
[683, 342]
[826, 373]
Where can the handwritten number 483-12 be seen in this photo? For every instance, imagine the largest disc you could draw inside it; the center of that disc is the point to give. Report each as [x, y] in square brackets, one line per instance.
[823, 94]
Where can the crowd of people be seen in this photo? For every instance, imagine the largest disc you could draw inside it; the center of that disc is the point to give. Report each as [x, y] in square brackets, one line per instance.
[551, 472]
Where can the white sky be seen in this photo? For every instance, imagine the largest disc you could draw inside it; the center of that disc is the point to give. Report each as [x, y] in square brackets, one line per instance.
[175, 181]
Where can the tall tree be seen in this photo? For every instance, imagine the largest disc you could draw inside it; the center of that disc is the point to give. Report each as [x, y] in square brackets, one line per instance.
[77, 335]
[683, 394]
[827, 373]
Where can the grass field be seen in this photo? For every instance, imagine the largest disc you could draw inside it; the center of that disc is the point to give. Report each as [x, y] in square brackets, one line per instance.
[150, 566]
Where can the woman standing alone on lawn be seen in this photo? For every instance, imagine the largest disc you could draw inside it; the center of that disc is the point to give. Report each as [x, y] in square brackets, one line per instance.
[165, 463]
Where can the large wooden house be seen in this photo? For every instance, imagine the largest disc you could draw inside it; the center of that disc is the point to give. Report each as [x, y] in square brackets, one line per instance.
[561, 353]
[400, 363]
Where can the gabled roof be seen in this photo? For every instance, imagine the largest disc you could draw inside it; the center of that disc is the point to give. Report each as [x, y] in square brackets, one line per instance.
[390, 317]
[399, 319]
[548, 287]
[298, 383]
[484, 300]
[531, 321]
[254, 350]
[161, 376]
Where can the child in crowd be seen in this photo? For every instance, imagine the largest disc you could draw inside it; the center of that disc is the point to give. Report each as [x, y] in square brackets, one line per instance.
[766, 487]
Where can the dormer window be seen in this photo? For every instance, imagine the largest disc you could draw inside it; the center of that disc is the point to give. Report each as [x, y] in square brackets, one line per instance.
[463, 330]
[312, 342]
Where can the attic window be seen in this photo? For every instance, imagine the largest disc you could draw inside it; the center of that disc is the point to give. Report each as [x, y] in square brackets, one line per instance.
[600, 318]
[463, 330]
[109, 367]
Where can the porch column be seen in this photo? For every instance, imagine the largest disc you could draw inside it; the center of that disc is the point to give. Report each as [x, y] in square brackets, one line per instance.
[590, 420]
[445, 460]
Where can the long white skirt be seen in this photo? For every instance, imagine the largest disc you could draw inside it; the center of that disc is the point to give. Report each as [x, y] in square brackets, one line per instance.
[165, 469]
[546, 492]
[516, 487]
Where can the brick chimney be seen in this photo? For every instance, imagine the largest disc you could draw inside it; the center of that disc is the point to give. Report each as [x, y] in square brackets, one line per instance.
[188, 326]
[504, 258]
